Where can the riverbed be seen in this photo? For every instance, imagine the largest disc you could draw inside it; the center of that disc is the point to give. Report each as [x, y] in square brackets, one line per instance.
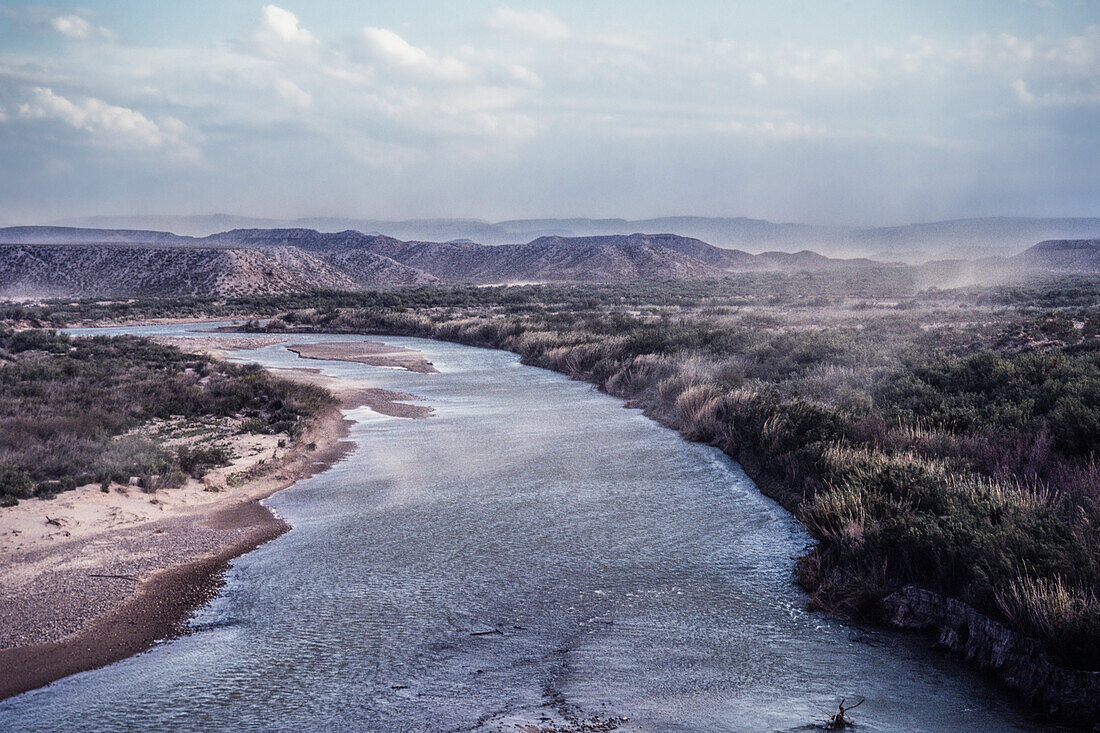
[532, 554]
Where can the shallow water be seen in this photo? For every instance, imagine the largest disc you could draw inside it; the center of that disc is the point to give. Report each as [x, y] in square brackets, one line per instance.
[533, 550]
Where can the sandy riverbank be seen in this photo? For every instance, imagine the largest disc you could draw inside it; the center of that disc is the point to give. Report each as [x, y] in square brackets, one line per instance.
[372, 353]
[218, 348]
[116, 571]
[384, 401]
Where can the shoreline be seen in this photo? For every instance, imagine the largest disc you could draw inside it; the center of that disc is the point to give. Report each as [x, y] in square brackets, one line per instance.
[159, 610]
[927, 624]
[156, 603]
[999, 653]
[160, 604]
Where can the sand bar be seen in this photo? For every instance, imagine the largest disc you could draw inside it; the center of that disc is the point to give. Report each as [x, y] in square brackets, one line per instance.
[372, 353]
[91, 577]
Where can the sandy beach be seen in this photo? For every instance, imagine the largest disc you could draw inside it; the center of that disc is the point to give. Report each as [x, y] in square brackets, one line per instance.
[91, 577]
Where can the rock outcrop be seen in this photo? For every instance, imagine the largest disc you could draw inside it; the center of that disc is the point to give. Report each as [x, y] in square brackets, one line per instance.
[1068, 695]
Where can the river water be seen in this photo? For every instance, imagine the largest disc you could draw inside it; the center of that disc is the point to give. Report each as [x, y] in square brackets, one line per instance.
[533, 553]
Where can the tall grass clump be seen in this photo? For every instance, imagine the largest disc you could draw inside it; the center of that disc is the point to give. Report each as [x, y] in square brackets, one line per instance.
[1065, 617]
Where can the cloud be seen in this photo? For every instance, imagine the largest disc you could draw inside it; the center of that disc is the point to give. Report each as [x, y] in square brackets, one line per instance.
[392, 49]
[518, 90]
[73, 26]
[1059, 96]
[292, 93]
[774, 130]
[281, 25]
[1020, 87]
[524, 75]
[109, 123]
[538, 24]
[93, 115]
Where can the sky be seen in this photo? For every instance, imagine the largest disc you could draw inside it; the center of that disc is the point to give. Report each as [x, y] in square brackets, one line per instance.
[842, 111]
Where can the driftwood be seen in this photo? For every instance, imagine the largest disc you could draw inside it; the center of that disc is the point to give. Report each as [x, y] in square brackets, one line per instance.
[54, 522]
[108, 575]
[839, 720]
[486, 633]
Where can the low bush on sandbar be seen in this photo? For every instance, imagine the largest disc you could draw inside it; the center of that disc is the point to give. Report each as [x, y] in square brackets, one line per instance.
[71, 410]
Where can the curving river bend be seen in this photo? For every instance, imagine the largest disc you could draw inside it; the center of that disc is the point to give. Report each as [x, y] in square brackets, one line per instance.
[533, 553]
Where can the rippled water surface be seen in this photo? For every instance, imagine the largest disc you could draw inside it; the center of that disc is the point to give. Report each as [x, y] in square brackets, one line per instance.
[532, 552]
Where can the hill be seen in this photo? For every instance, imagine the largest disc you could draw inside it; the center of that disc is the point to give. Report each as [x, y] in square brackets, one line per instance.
[136, 270]
[1066, 255]
[607, 258]
[82, 235]
[42, 262]
[953, 239]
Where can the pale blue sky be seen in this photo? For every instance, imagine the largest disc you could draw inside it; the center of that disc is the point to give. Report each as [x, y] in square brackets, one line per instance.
[864, 111]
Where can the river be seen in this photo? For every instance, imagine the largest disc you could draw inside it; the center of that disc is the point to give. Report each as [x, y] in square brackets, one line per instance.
[534, 553]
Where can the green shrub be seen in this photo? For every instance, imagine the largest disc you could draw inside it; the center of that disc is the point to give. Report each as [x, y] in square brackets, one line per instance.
[67, 404]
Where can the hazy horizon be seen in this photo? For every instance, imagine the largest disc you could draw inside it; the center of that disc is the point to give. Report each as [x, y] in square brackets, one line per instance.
[75, 221]
[863, 114]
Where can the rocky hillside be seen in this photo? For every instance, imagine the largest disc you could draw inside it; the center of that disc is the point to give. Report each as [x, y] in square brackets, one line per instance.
[616, 259]
[371, 270]
[55, 261]
[1051, 258]
[1065, 255]
[129, 270]
[611, 258]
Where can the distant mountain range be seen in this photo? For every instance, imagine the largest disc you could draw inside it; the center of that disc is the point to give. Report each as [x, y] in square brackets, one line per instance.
[83, 262]
[913, 243]
[59, 261]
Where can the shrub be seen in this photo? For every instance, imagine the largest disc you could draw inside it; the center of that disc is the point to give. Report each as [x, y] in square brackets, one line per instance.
[67, 404]
[1067, 618]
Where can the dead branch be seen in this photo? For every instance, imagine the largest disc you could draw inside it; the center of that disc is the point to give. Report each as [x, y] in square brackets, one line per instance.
[840, 720]
[108, 575]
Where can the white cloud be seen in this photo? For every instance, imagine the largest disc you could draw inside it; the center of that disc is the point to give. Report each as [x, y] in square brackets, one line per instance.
[73, 26]
[524, 75]
[775, 130]
[109, 123]
[282, 25]
[1058, 96]
[292, 93]
[1020, 87]
[93, 115]
[392, 49]
[47, 20]
[534, 90]
[538, 24]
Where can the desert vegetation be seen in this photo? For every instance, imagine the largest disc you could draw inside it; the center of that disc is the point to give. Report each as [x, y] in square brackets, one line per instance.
[940, 438]
[75, 411]
[943, 438]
